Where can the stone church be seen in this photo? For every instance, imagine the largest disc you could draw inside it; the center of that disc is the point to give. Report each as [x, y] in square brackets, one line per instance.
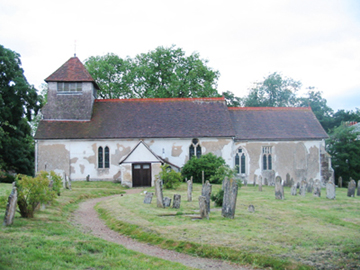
[128, 140]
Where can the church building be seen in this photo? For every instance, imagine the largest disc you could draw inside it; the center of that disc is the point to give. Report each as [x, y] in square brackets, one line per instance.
[127, 140]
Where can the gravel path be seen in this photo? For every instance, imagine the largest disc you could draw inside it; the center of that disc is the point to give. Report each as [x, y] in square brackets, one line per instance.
[87, 218]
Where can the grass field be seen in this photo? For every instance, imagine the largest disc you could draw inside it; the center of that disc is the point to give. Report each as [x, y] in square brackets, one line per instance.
[51, 241]
[295, 233]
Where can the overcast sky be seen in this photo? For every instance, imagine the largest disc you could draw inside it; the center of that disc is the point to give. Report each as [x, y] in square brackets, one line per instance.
[314, 41]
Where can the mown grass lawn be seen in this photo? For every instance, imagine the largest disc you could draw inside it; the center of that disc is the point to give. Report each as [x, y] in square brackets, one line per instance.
[51, 241]
[295, 233]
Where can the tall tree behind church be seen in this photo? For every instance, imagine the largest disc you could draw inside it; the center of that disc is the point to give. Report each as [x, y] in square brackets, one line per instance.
[161, 73]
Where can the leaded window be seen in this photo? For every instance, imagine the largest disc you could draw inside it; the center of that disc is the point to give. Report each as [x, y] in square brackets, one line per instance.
[103, 157]
[100, 157]
[267, 158]
[240, 161]
[195, 149]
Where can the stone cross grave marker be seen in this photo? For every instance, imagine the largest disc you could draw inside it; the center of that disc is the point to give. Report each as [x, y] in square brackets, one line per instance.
[317, 188]
[260, 183]
[230, 188]
[279, 189]
[330, 191]
[303, 188]
[167, 202]
[148, 197]
[176, 201]
[159, 193]
[310, 186]
[189, 189]
[203, 207]
[11, 206]
[206, 191]
[351, 188]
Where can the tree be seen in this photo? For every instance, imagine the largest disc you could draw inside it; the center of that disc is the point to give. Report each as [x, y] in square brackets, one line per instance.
[274, 91]
[162, 73]
[231, 100]
[19, 101]
[344, 147]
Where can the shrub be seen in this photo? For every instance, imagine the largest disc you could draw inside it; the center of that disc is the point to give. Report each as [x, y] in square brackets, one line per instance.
[57, 182]
[171, 179]
[220, 173]
[218, 197]
[6, 177]
[207, 163]
[33, 191]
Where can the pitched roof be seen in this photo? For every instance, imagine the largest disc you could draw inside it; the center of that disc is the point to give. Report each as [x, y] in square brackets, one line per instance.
[146, 118]
[72, 71]
[276, 123]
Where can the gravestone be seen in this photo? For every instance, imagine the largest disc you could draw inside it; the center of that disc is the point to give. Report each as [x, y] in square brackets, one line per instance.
[358, 189]
[245, 182]
[64, 181]
[11, 207]
[292, 182]
[266, 182]
[317, 188]
[203, 207]
[176, 201]
[294, 189]
[340, 182]
[206, 191]
[159, 193]
[310, 186]
[330, 190]
[88, 178]
[279, 189]
[202, 177]
[351, 188]
[189, 189]
[167, 202]
[260, 183]
[255, 178]
[251, 208]
[287, 181]
[148, 197]
[69, 183]
[230, 188]
[303, 188]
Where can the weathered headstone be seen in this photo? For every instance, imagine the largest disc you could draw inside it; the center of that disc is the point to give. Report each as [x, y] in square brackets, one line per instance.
[202, 177]
[310, 186]
[203, 207]
[260, 183]
[303, 188]
[255, 178]
[251, 208]
[64, 181]
[330, 191]
[230, 188]
[11, 206]
[351, 188]
[176, 201]
[159, 193]
[69, 183]
[294, 189]
[266, 183]
[358, 189]
[206, 191]
[317, 188]
[88, 178]
[279, 189]
[292, 182]
[287, 181]
[148, 197]
[167, 202]
[340, 182]
[189, 189]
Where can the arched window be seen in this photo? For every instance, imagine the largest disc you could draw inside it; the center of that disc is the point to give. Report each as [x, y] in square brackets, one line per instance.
[267, 159]
[240, 160]
[195, 148]
[100, 157]
[107, 157]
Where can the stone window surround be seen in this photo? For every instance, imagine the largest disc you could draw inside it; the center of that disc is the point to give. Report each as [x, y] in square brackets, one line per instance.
[267, 158]
[103, 157]
[240, 161]
[195, 148]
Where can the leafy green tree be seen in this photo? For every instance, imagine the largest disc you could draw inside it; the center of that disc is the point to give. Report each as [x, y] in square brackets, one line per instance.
[231, 100]
[342, 116]
[19, 101]
[161, 73]
[344, 147]
[273, 91]
[170, 178]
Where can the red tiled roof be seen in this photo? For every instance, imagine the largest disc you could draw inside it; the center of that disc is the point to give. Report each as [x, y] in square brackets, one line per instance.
[276, 123]
[72, 71]
[146, 118]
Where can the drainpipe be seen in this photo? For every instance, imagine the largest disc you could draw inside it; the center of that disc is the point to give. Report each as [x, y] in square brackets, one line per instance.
[36, 157]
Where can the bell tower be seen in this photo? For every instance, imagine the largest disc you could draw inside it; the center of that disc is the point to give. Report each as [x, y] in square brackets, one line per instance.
[71, 93]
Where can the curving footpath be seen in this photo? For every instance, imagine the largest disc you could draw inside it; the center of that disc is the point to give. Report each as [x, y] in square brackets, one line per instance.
[87, 218]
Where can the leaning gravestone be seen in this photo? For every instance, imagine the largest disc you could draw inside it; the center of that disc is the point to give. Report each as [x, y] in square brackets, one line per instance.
[230, 188]
[176, 201]
[303, 188]
[317, 188]
[340, 182]
[148, 197]
[11, 206]
[203, 207]
[167, 202]
[351, 188]
[330, 190]
[310, 186]
[260, 183]
[279, 189]
[189, 189]
[206, 191]
[294, 189]
[358, 189]
[159, 193]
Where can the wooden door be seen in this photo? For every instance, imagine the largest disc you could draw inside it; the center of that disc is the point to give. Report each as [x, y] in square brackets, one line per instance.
[141, 174]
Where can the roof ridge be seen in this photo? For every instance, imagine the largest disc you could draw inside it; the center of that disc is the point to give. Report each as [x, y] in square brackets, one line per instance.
[269, 109]
[161, 99]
